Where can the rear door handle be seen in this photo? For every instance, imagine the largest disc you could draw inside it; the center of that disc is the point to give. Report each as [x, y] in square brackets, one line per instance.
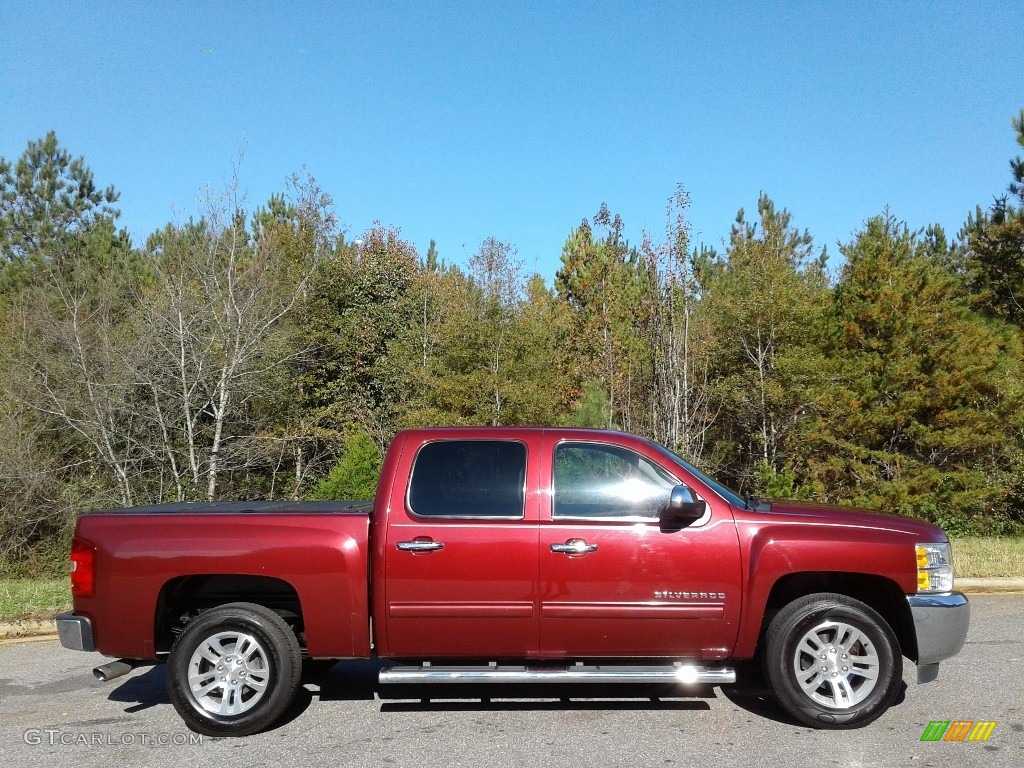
[574, 547]
[419, 545]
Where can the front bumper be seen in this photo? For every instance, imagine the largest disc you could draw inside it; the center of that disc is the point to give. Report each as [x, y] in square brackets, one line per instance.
[940, 623]
[75, 632]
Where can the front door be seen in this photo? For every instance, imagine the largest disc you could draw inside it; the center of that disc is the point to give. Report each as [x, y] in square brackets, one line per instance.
[613, 581]
[461, 553]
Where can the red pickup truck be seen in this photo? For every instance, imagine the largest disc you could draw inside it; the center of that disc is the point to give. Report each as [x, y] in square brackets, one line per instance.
[523, 555]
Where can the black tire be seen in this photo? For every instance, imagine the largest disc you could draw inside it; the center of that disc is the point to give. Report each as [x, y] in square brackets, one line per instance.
[260, 680]
[851, 636]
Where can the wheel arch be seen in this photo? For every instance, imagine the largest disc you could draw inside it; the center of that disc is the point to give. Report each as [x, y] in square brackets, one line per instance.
[183, 598]
[878, 592]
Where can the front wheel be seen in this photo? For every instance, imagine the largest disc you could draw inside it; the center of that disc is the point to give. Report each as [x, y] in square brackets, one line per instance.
[234, 670]
[832, 661]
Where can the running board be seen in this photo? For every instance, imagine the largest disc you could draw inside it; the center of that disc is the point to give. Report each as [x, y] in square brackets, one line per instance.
[680, 673]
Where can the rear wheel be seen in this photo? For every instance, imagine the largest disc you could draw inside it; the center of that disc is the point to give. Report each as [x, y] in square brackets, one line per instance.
[234, 670]
[832, 661]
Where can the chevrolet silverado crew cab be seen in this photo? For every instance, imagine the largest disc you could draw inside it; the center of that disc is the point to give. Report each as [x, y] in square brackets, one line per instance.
[517, 555]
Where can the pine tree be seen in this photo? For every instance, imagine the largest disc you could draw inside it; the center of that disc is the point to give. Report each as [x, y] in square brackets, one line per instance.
[765, 301]
[602, 282]
[431, 260]
[994, 248]
[355, 476]
[915, 418]
[44, 196]
[1017, 163]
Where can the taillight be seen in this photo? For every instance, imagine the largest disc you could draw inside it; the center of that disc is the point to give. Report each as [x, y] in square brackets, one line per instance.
[83, 569]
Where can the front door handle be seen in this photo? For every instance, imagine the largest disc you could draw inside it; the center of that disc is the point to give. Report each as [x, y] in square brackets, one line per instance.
[420, 545]
[574, 547]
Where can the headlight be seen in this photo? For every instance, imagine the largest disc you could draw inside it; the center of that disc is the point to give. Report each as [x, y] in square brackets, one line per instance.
[934, 568]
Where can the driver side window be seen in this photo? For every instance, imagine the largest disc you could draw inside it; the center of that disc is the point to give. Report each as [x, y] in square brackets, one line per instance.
[603, 481]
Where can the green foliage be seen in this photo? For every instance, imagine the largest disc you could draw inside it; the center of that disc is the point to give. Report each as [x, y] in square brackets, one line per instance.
[602, 282]
[277, 213]
[354, 478]
[993, 262]
[1017, 163]
[431, 261]
[765, 301]
[592, 410]
[917, 416]
[778, 484]
[45, 196]
[233, 355]
[483, 348]
[993, 256]
[357, 307]
[45, 557]
[540, 368]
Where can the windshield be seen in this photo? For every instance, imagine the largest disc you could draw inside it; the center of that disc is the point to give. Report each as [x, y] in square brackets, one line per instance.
[726, 493]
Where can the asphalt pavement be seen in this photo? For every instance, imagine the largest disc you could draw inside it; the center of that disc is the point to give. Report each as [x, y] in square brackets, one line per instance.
[54, 714]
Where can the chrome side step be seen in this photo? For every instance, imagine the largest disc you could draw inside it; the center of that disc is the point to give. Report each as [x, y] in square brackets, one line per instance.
[686, 674]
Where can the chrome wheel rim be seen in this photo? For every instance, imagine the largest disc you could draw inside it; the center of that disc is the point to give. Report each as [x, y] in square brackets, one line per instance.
[836, 665]
[228, 674]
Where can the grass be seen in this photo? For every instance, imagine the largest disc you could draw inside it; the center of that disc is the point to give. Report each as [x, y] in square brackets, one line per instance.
[982, 558]
[33, 598]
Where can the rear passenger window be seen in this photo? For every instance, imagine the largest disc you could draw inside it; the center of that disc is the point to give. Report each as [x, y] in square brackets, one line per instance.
[469, 478]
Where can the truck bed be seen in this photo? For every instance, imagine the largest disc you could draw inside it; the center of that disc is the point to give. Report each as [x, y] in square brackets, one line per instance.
[310, 559]
[255, 507]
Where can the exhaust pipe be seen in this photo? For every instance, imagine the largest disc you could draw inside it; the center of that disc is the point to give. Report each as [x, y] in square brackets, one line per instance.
[114, 669]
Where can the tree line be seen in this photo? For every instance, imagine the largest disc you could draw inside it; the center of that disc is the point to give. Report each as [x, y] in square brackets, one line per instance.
[267, 354]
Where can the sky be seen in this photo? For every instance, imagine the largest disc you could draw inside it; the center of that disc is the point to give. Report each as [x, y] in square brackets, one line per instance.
[456, 121]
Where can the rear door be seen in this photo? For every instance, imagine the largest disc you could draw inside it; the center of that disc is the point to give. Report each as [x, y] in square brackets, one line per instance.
[613, 581]
[461, 551]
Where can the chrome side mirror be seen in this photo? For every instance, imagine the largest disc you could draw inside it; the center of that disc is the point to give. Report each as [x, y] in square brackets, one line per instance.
[683, 506]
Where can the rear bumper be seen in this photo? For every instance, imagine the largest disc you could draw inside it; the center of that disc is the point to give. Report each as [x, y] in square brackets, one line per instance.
[940, 623]
[75, 632]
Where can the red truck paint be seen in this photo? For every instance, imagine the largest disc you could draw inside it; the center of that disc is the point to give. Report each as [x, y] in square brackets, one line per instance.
[496, 590]
[323, 556]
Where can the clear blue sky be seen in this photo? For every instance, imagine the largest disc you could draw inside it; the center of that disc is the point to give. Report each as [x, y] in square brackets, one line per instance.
[456, 121]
